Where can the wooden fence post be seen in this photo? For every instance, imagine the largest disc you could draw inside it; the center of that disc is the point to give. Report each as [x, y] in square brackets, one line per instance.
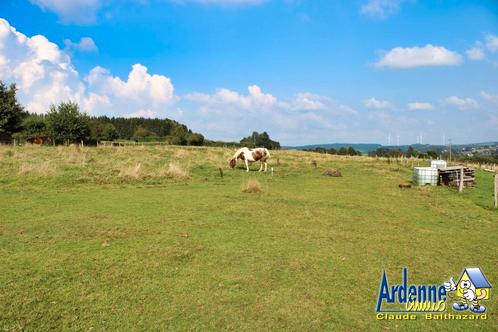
[460, 188]
[496, 191]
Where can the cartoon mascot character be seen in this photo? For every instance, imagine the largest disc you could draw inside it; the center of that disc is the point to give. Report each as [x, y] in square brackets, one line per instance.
[471, 289]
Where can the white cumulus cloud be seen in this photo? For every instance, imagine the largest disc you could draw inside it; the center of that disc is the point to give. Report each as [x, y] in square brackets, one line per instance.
[86, 44]
[45, 75]
[476, 53]
[381, 9]
[489, 97]
[141, 114]
[140, 86]
[306, 101]
[141, 92]
[484, 49]
[256, 99]
[420, 106]
[412, 57]
[461, 103]
[491, 42]
[373, 103]
[229, 115]
[72, 11]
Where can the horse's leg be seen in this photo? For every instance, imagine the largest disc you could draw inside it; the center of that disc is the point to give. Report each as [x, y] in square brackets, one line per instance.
[266, 166]
[247, 165]
[261, 168]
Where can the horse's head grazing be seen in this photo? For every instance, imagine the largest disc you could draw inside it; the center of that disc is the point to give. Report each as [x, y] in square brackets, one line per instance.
[233, 162]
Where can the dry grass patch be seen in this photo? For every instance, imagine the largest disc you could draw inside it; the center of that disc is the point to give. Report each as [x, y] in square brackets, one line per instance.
[9, 153]
[180, 153]
[215, 158]
[333, 172]
[252, 186]
[134, 172]
[44, 169]
[175, 171]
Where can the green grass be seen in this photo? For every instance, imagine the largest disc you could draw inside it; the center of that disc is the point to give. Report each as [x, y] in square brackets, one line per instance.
[84, 246]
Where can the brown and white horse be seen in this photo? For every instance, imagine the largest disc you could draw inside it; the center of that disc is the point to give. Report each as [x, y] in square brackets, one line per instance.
[250, 156]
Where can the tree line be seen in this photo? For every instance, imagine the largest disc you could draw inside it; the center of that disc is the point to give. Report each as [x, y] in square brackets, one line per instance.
[64, 123]
[379, 152]
[410, 152]
[343, 151]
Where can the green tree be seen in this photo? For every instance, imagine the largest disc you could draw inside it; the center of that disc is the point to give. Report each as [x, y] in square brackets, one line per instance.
[179, 134]
[96, 129]
[259, 140]
[432, 154]
[141, 134]
[11, 112]
[353, 152]
[110, 133]
[411, 152]
[395, 153]
[35, 125]
[342, 151]
[66, 124]
[380, 152]
[195, 139]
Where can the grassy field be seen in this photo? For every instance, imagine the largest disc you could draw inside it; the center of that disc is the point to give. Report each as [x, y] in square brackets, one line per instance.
[151, 238]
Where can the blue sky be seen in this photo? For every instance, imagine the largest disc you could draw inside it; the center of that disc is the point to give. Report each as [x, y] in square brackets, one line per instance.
[306, 71]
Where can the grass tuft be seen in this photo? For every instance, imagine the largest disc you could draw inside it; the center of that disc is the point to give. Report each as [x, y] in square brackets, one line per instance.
[133, 172]
[252, 186]
[176, 171]
[44, 169]
[332, 172]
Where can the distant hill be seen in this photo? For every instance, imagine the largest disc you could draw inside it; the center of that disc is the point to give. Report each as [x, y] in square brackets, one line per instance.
[426, 147]
[419, 147]
[365, 148]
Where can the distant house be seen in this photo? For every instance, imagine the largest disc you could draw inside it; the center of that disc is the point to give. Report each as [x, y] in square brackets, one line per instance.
[477, 278]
